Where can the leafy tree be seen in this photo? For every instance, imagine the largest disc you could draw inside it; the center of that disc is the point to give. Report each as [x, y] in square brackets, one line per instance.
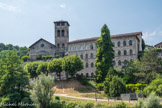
[13, 80]
[149, 66]
[25, 58]
[42, 68]
[117, 86]
[154, 87]
[31, 68]
[42, 91]
[56, 66]
[114, 87]
[128, 69]
[72, 64]
[104, 55]
[107, 81]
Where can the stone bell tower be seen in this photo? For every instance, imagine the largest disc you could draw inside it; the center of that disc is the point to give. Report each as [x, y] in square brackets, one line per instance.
[61, 37]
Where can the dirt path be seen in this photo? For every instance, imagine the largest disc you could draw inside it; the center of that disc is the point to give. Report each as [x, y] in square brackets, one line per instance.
[65, 95]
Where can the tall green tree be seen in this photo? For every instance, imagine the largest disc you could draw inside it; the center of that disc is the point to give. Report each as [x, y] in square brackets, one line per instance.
[72, 64]
[13, 80]
[42, 90]
[56, 66]
[104, 55]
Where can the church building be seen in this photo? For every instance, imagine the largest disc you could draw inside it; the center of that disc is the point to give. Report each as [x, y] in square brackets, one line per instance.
[126, 47]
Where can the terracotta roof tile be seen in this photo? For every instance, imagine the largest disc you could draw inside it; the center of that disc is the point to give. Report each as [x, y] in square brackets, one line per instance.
[112, 36]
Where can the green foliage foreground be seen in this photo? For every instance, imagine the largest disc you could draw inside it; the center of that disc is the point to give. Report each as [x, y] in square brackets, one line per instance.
[13, 80]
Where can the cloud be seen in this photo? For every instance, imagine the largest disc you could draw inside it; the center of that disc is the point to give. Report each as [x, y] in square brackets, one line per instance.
[9, 7]
[148, 35]
[62, 5]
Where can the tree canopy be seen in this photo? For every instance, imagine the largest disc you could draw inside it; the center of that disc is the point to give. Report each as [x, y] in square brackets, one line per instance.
[13, 80]
[104, 55]
[72, 64]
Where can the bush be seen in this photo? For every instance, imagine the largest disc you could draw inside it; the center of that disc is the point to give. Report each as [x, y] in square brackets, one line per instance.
[82, 79]
[139, 104]
[46, 57]
[25, 58]
[121, 105]
[89, 105]
[57, 98]
[71, 105]
[154, 87]
[152, 101]
[100, 86]
[135, 88]
[57, 104]
[39, 57]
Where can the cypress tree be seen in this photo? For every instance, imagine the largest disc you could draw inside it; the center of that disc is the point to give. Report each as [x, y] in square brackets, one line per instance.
[104, 55]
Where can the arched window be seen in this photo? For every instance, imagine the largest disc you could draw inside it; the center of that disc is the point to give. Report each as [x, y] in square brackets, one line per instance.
[86, 47]
[87, 75]
[118, 43]
[63, 45]
[119, 53]
[92, 65]
[58, 33]
[125, 52]
[71, 49]
[76, 48]
[91, 46]
[119, 62]
[124, 43]
[92, 74]
[86, 56]
[91, 55]
[131, 52]
[81, 56]
[130, 42]
[81, 47]
[86, 65]
[62, 33]
[58, 45]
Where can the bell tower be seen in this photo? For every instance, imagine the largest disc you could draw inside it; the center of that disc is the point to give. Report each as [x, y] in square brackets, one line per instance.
[61, 37]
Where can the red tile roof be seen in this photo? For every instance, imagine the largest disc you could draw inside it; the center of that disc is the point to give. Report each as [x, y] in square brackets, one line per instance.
[158, 44]
[112, 36]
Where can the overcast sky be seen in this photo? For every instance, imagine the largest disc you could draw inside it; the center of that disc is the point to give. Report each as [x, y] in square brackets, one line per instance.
[22, 22]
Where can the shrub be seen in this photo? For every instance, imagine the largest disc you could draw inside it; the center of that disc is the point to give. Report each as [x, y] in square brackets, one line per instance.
[57, 104]
[82, 79]
[154, 87]
[100, 106]
[135, 87]
[57, 98]
[121, 105]
[25, 58]
[89, 105]
[71, 105]
[46, 57]
[39, 57]
[152, 101]
[100, 86]
[139, 104]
